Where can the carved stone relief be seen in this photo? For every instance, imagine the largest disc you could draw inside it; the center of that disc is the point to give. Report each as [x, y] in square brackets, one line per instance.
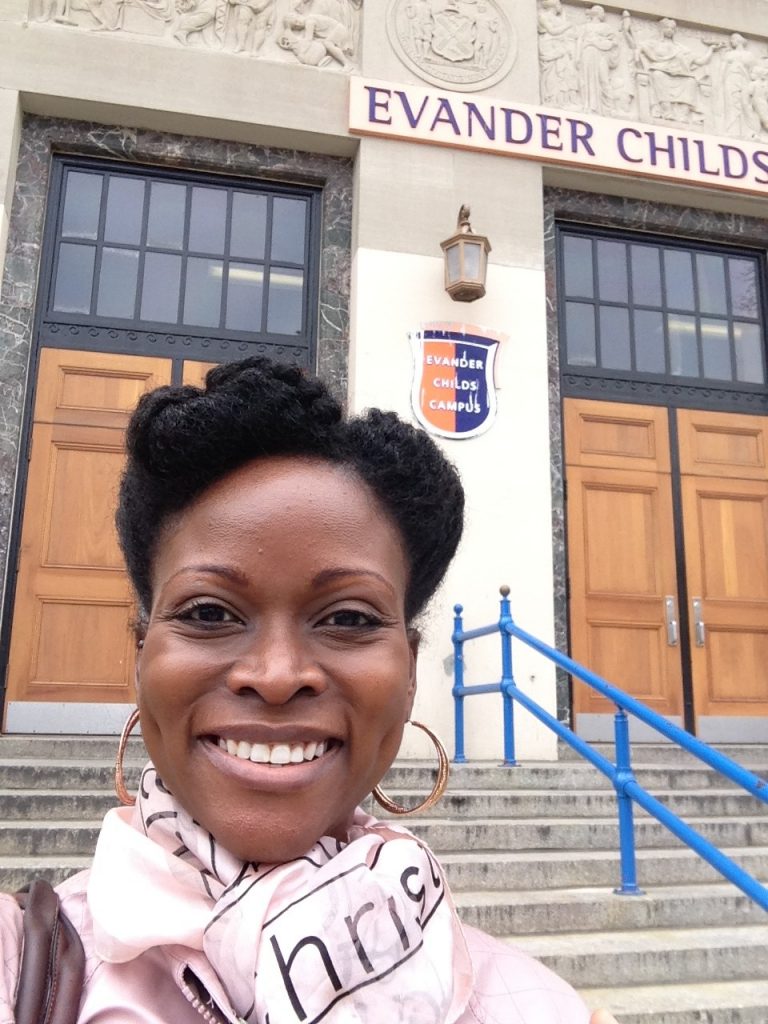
[623, 65]
[318, 33]
[466, 44]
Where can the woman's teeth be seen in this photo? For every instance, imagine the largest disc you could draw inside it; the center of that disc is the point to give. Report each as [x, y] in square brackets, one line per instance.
[274, 753]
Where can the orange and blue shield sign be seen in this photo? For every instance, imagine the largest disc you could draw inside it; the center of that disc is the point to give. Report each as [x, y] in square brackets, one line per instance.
[453, 383]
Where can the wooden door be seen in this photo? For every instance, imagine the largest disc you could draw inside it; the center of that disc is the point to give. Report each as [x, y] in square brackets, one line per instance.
[71, 635]
[194, 372]
[622, 574]
[724, 476]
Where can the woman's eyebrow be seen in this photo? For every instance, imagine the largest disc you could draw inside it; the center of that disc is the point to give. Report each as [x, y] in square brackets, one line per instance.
[227, 571]
[341, 572]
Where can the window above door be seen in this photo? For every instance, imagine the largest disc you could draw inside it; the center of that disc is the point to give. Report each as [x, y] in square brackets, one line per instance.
[660, 313]
[142, 259]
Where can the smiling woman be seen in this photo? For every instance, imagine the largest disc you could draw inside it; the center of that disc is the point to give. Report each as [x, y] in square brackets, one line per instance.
[277, 632]
[280, 555]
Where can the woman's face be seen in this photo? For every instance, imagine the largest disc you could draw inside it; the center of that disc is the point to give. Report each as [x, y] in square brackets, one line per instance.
[277, 671]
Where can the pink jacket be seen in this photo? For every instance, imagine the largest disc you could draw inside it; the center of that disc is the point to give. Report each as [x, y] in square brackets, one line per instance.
[176, 985]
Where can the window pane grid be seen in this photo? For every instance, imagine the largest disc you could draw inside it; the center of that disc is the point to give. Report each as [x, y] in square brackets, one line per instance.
[142, 252]
[633, 308]
[267, 265]
[225, 255]
[168, 284]
[182, 298]
[99, 250]
[660, 310]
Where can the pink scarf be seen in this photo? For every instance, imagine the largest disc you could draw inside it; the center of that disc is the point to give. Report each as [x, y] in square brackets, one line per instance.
[357, 932]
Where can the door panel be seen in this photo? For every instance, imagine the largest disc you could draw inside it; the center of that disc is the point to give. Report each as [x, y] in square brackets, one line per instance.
[724, 467]
[726, 540]
[94, 389]
[621, 553]
[194, 372]
[623, 563]
[80, 488]
[71, 638]
[612, 435]
[723, 445]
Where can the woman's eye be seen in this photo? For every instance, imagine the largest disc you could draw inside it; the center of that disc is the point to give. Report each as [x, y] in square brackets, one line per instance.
[351, 619]
[207, 612]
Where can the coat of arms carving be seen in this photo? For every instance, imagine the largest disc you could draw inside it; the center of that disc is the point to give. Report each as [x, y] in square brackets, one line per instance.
[466, 44]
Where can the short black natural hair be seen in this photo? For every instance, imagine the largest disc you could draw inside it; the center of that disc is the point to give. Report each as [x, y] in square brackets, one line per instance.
[182, 439]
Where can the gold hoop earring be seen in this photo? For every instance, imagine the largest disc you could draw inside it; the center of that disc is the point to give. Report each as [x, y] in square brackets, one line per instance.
[122, 793]
[437, 790]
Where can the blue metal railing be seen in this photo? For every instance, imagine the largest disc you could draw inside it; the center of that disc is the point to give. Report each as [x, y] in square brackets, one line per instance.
[628, 790]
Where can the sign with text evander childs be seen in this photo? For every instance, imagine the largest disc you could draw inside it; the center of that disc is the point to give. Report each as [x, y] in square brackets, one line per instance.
[453, 393]
[548, 135]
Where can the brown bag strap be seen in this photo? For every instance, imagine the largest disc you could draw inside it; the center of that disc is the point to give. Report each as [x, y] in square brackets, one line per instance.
[52, 960]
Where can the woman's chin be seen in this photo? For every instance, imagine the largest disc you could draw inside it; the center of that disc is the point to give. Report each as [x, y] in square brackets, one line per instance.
[281, 842]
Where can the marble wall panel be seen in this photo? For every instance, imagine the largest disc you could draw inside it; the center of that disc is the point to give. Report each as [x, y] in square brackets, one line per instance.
[624, 214]
[41, 137]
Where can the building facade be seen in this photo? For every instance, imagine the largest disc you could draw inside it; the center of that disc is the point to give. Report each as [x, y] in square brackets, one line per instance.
[184, 182]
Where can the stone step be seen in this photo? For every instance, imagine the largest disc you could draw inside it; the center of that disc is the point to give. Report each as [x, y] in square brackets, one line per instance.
[71, 805]
[16, 872]
[747, 754]
[83, 747]
[74, 748]
[487, 834]
[93, 802]
[588, 803]
[715, 1002]
[644, 755]
[573, 838]
[64, 773]
[510, 870]
[551, 775]
[558, 869]
[49, 838]
[442, 834]
[589, 909]
[561, 912]
[652, 956]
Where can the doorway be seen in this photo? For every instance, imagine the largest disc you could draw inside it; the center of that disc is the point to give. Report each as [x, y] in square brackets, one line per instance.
[148, 275]
[71, 661]
[667, 520]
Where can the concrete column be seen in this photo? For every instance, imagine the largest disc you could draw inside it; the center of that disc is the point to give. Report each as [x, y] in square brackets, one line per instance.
[406, 200]
[407, 197]
[10, 131]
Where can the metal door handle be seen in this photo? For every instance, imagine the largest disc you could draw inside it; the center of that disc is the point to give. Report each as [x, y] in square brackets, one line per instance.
[698, 622]
[671, 615]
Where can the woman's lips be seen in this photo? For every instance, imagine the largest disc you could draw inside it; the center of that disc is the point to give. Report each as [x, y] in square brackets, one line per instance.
[293, 752]
[273, 776]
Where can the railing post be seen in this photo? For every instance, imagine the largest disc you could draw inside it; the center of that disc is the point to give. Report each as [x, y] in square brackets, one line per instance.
[458, 685]
[624, 774]
[507, 680]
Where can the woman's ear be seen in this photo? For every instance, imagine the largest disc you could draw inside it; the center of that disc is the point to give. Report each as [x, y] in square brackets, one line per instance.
[414, 639]
[139, 648]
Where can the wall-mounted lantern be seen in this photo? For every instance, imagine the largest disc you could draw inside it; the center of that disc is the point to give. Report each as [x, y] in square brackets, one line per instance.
[466, 261]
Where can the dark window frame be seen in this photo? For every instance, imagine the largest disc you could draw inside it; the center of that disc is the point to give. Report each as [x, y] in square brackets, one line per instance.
[656, 388]
[119, 335]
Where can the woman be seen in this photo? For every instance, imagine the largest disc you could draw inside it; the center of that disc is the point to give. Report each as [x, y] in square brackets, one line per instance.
[280, 556]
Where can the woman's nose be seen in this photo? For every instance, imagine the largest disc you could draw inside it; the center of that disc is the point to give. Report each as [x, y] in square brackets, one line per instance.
[277, 665]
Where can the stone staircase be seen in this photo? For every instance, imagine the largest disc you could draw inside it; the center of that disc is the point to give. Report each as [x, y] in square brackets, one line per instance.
[531, 857]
